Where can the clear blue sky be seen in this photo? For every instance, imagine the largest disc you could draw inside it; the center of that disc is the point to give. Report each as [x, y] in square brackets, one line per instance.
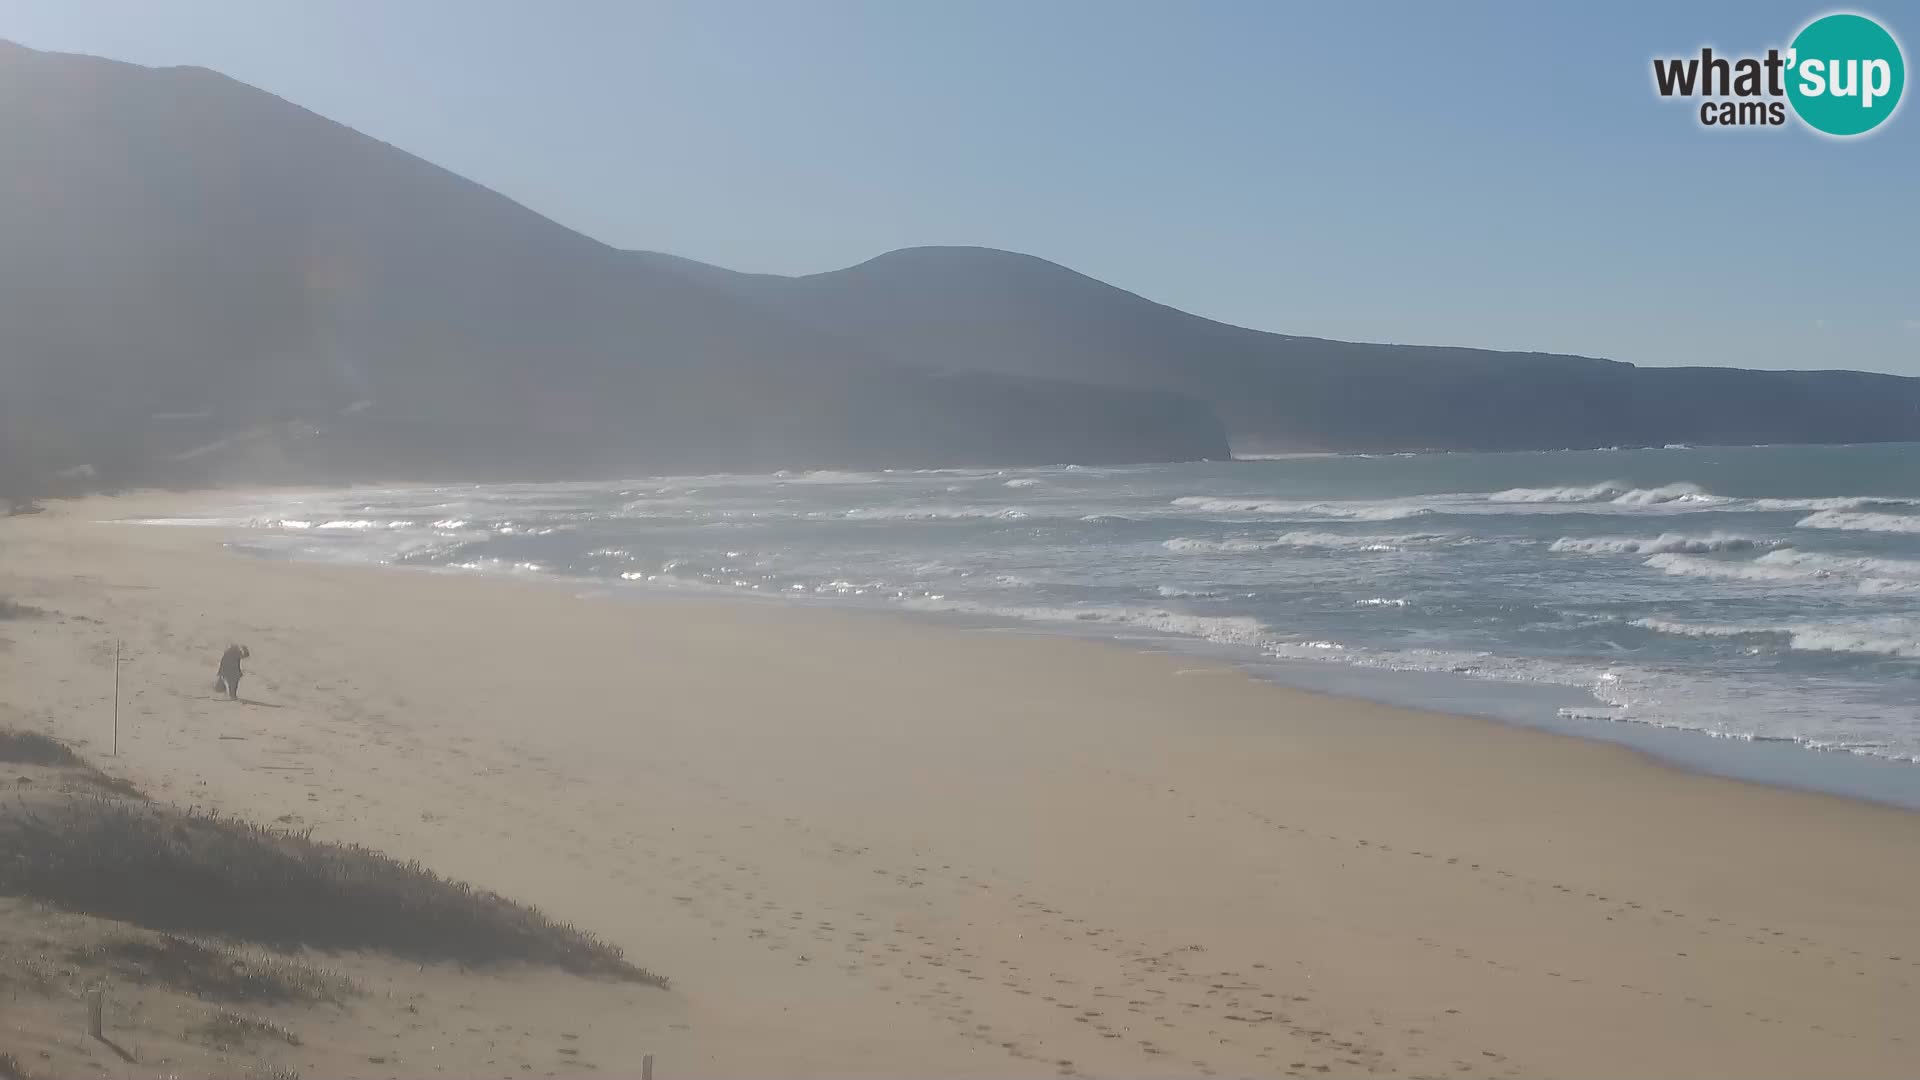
[1480, 174]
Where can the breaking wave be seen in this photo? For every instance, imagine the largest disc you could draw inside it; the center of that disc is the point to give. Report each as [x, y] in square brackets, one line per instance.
[1175, 592]
[1893, 637]
[1861, 522]
[1612, 491]
[1357, 511]
[1609, 496]
[829, 476]
[1655, 545]
[362, 524]
[1858, 566]
[1220, 629]
[1845, 502]
[1789, 566]
[931, 513]
[1320, 541]
[1680, 565]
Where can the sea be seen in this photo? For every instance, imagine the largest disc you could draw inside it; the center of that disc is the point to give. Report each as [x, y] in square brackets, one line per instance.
[1752, 611]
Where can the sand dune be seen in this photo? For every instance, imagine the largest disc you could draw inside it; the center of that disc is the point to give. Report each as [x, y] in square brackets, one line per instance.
[861, 845]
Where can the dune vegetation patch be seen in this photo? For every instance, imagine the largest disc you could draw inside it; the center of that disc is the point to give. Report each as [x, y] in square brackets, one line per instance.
[13, 609]
[195, 873]
[211, 970]
[227, 1028]
[33, 748]
[49, 761]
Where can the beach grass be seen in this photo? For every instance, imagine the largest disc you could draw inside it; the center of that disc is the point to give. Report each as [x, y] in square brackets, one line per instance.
[213, 971]
[13, 609]
[33, 748]
[227, 1028]
[191, 872]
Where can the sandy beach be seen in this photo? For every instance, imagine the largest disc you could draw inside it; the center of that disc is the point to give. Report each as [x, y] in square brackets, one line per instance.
[865, 845]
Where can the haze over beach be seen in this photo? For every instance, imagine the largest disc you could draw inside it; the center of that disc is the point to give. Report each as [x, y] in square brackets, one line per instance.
[838, 540]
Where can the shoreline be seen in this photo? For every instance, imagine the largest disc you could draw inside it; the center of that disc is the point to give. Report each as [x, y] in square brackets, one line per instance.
[1789, 764]
[865, 845]
[1779, 764]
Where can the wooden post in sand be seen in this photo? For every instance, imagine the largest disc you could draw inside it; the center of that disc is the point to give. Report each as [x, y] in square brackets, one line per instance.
[96, 1010]
[116, 697]
[646, 1067]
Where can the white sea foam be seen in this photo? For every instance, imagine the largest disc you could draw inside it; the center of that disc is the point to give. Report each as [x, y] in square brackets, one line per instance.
[1349, 511]
[1107, 519]
[1654, 545]
[1372, 513]
[829, 476]
[1669, 493]
[1603, 680]
[195, 522]
[1895, 637]
[1871, 576]
[494, 565]
[1187, 545]
[1174, 592]
[229, 522]
[1300, 540]
[1687, 629]
[1815, 562]
[1853, 640]
[1679, 565]
[1615, 492]
[930, 513]
[1861, 522]
[1339, 542]
[1610, 496]
[1842, 502]
[1584, 493]
[1381, 601]
[1715, 541]
[363, 524]
[1220, 629]
[843, 587]
[1023, 482]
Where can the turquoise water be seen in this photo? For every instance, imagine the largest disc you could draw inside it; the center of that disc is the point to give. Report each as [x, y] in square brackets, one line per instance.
[1756, 594]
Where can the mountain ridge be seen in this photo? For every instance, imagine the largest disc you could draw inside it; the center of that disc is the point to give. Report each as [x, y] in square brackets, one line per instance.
[327, 306]
[983, 309]
[203, 281]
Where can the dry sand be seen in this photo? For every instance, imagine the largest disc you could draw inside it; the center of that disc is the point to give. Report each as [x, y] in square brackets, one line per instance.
[860, 845]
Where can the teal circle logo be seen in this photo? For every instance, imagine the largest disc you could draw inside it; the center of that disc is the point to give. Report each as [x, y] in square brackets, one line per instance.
[1845, 74]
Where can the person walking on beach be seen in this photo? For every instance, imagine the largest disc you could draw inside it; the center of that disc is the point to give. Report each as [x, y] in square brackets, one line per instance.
[229, 677]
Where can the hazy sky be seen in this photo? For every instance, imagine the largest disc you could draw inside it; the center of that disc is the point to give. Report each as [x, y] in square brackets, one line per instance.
[1478, 174]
